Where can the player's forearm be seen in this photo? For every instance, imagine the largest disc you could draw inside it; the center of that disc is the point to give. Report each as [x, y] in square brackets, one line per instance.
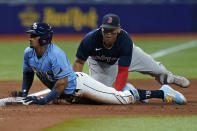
[56, 91]
[78, 65]
[61, 84]
[121, 78]
[27, 81]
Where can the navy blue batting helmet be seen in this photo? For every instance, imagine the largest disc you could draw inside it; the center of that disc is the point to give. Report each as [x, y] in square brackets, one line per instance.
[43, 30]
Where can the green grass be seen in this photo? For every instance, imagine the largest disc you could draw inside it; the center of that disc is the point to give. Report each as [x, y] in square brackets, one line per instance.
[134, 123]
[11, 60]
[182, 63]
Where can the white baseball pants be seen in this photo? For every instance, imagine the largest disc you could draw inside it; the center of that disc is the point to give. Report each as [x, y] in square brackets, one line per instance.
[91, 89]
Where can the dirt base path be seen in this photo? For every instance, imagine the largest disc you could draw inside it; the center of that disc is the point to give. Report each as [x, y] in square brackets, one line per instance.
[37, 117]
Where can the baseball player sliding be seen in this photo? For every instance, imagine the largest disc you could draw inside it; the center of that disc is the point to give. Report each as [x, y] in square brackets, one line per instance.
[52, 67]
[111, 54]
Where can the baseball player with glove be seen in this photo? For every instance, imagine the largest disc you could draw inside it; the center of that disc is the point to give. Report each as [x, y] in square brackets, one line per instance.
[52, 67]
[111, 54]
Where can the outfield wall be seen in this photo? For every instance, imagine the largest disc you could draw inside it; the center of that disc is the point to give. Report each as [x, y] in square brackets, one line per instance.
[81, 18]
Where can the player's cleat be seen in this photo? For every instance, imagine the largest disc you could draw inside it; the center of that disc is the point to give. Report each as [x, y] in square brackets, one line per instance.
[181, 81]
[172, 96]
[178, 80]
[135, 93]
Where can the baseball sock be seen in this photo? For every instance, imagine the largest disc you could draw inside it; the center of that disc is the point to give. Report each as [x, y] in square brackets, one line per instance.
[147, 94]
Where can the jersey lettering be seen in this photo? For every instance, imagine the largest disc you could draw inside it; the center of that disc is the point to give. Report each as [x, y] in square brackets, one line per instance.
[104, 58]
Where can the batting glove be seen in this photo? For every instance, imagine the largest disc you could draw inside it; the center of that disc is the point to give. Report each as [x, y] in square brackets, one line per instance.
[34, 100]
[41, 101]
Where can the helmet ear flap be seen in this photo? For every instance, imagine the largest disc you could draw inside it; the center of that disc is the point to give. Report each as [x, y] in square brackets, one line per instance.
[46, 39]
[43, 41]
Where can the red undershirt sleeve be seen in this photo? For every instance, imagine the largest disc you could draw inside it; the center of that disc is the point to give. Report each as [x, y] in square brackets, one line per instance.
[121, 78]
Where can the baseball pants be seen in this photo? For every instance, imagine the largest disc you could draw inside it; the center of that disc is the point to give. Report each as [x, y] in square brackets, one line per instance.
[89, 88]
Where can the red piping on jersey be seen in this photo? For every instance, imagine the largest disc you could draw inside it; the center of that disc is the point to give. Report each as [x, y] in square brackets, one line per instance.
[121, 78]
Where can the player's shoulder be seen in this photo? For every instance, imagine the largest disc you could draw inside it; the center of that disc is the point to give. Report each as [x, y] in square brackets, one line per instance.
[124, 34]
[28, 51]
[124, 40]
[92, 35]
[54, 50]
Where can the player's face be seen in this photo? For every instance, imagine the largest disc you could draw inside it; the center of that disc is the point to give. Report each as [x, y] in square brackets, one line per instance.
[34, 41]
[109, 36]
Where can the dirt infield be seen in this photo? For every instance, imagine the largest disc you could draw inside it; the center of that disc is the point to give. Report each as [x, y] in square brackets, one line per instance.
[37, 117]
